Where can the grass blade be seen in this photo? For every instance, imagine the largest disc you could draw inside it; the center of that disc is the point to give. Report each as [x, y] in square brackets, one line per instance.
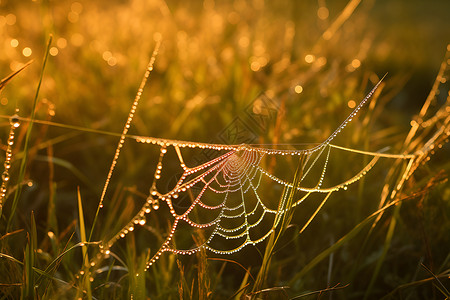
[86, 276]
[345, 239]
[286, 203]
[8, 78]
[27, 140]
[29, 261]
[387, 243]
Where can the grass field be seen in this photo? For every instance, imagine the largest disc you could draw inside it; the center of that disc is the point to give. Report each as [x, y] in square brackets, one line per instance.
[89, 176]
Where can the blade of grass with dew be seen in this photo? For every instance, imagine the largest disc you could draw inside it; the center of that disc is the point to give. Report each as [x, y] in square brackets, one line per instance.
[316, 212]
[203, 279]
[86, 284]
[320, 292]
[131, 266]
[140, 278]
[345, 239]
[107, 278]
[2, 255]
[52, 220]
[439, 284]
[125, 130]
[387, 244]
[28, 291]
[242, 287]
[23, 164]
[8, 78]
[392, 295]
[286, 203]
[218, 276]
[183, 286]
[69, 166]
[398, 169]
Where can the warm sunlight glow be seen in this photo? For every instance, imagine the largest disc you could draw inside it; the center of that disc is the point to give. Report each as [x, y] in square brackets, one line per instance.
[323, 13]
[255, 66]
[10, 19]
[53, 51]
[244, 42]
[76, 7]
[61, 43]
[112, 61]
[164, 149]
[356, 63]
[72, 17]
[27, 51]
[107, 55]
[14, 43]
[309, 58]
[351, 103]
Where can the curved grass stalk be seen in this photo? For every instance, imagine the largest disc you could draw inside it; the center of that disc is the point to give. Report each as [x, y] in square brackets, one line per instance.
[125, 130]
[27, 139]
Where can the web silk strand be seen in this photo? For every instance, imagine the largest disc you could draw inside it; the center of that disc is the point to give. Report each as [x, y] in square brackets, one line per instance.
[129, 120]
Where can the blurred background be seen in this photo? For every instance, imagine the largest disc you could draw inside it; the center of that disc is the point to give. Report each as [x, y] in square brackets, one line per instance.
[308, 63]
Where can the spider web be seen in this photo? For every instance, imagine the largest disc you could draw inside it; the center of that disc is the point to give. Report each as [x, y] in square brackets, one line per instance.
[224, 198]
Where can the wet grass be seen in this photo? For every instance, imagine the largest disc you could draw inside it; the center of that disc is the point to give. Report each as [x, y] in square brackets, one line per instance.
[385, 236]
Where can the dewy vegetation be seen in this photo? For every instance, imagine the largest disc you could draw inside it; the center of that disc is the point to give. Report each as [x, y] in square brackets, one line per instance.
[361, 214]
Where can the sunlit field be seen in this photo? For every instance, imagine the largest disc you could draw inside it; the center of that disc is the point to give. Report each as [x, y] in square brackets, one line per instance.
[157, 149]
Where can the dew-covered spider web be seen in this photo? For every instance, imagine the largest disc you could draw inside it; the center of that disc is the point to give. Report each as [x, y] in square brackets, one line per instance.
[227, 202]
[226, 198]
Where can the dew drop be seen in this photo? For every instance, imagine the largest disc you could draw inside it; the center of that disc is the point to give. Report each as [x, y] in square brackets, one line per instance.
[5, 176]
[14, 121]
[155, 204]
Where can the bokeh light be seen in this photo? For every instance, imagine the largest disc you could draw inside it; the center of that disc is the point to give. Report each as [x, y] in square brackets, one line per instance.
[351, 104]
[309, 58]
[27, 51]
[298, 89]
[53, 51]
[14, 43]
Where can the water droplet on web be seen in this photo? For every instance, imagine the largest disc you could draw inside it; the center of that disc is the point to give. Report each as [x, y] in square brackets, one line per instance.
[5, 176]
[14, 121]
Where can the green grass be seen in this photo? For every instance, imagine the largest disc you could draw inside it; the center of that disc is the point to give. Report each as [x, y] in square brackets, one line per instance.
[384, 236]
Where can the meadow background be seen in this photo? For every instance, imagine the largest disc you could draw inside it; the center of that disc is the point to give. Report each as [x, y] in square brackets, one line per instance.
[314, 59]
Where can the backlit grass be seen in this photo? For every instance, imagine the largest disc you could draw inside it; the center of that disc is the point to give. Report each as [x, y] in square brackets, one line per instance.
[384, 236]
